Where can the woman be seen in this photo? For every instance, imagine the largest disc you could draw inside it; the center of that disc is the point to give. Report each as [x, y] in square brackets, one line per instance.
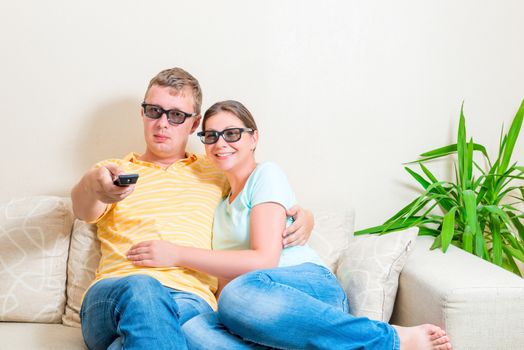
[298, 304]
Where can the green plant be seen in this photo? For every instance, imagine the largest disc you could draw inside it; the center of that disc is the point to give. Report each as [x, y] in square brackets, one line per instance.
[478, 214]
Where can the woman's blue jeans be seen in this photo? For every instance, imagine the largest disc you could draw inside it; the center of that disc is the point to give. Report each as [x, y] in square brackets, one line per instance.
[296, 307]
[137, 312]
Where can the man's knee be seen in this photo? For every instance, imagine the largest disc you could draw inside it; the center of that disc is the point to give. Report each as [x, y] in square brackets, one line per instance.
[123, 291]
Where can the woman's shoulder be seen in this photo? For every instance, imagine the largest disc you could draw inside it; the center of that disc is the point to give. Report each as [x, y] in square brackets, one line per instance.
[269, 168]
[269, 183]
[268, 174]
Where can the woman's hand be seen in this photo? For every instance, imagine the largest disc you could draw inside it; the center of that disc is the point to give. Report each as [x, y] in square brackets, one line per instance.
[300, 231]
[155, 253]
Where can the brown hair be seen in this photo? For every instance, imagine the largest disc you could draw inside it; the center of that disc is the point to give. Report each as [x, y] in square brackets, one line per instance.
[234, 107]
[177, 78]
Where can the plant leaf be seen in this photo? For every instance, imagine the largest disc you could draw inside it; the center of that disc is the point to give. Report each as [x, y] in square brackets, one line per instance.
[512, 136]
[518, 225]
[446, 203]
[470, 206]
[448, 228]
[461, 148]
[418, 177]
[437, 243]
[515, 253]
[446, 151]
[497, 241]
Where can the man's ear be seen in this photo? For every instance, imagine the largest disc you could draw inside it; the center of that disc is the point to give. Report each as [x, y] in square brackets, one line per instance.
[196, 123]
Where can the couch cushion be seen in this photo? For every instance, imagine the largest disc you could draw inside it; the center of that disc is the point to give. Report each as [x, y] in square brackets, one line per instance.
[38, 336]
[369, 271]
[84, 255]
[34, 242]
[331, 234]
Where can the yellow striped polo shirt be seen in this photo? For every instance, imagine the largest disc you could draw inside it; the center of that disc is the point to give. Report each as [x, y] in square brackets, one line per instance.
[176, 204]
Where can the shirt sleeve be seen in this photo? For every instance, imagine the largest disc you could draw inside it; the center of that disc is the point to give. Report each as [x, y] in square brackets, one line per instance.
[270, 184]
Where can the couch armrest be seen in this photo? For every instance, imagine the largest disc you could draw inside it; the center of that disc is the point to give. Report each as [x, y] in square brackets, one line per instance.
[479, 304]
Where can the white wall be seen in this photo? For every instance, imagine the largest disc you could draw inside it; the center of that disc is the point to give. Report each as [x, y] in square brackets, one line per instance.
[343, 91]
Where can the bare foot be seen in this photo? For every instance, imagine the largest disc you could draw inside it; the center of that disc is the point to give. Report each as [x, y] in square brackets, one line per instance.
[423, 337]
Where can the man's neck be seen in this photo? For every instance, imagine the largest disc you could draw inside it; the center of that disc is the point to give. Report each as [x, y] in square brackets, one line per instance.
[164, 162]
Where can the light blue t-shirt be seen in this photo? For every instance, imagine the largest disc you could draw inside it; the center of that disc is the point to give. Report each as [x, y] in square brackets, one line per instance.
[267, 183]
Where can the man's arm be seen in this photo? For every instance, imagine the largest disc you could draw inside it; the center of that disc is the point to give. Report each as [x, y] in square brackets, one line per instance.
[95, 191]
[300, 231]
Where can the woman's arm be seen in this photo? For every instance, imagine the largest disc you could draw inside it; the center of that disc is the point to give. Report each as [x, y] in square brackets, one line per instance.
[267, 222]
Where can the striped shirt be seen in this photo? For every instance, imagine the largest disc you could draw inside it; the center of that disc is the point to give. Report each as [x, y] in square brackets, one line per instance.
[175, 204]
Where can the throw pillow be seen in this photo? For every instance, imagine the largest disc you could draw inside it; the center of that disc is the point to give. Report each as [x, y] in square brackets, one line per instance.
[329, 238]
[34, 241]
[369, 270]
[84, 256]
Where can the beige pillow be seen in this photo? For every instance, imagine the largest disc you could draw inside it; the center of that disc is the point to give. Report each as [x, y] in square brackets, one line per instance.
[34, 241]
[84, 256]
[331, 234]
[369, 270]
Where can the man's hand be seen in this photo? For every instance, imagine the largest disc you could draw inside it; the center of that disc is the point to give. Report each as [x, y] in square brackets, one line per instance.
[96, 191]
[155, 253]
[100, 181]
[300, 231]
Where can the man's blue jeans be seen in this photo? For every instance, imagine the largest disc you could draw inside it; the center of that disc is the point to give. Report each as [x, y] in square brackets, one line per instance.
[137, 312]
[296, 307]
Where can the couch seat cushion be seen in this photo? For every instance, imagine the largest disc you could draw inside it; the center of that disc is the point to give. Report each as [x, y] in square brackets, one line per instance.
[40, 336]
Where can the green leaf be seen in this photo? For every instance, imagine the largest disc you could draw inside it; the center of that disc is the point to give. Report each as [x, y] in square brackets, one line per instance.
[513, 134]
[447, 150]
[418, 177]
[499, 212]
[444, 202]
[391, 227]
[470, 206]
[510, 264]
[497, 242]
[515, 253]
[448, 228]
[426, 231]
[404, 210]
[518, 225]
[461, 147]
[467, 240]
[469, 164]
[437, 243]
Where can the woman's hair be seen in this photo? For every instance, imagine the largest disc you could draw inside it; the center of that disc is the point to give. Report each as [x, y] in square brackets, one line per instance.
[234, 107]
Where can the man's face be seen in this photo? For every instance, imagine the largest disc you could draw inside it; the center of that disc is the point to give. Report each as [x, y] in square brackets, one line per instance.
[165, 141]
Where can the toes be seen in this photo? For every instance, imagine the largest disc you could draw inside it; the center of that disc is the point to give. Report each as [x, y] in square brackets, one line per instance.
[438, 333]
[441, 340]
[446, 346]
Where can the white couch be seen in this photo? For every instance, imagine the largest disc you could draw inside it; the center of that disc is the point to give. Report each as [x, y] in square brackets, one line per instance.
[47, 259]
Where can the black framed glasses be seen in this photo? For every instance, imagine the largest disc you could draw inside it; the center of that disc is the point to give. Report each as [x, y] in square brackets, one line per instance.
[174, 116]
[210, 137]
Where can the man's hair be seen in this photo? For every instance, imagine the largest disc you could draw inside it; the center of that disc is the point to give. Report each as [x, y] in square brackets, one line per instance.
[234, 107]
[177, 78]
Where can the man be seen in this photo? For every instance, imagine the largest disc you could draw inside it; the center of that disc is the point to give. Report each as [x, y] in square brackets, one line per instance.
[143, 307]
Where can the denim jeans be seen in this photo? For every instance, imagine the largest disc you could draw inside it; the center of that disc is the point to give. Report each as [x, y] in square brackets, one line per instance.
[296, 307]
[137, 312]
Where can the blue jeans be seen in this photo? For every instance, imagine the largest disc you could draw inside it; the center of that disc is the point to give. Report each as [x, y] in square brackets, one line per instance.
[296, 307]
[137, 312]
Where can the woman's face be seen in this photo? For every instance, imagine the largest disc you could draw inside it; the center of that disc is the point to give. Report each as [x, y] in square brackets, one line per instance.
[228, 156]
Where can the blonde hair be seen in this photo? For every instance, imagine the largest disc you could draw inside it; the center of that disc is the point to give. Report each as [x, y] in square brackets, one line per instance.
[177, 78]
